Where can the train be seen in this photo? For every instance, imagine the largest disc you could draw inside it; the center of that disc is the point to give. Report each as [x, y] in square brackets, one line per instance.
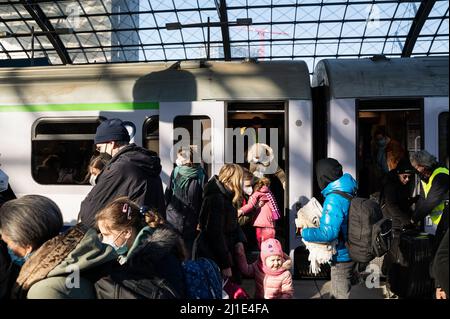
[48, 118]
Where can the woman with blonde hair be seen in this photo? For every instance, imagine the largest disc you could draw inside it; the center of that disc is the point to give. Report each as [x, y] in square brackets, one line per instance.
[219, 228]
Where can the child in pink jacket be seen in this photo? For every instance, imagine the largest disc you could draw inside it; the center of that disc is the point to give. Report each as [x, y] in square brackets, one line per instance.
[266, 214]
[273, 280]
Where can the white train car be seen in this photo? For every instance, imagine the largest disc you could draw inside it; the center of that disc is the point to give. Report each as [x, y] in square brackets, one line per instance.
[408, 97]
[48, 117]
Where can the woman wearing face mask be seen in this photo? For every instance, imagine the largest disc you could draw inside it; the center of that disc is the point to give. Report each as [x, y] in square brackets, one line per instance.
[96, 166]
[146, 246]
[184, 195]
[219, 228]
[42, 260]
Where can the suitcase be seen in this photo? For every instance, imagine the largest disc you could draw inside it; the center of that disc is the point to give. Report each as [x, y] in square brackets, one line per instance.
[411, 279]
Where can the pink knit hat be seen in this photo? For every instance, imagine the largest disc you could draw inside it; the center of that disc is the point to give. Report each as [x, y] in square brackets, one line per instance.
[271, 247]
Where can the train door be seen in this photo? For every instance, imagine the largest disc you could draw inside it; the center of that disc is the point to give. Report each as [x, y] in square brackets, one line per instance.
[286, 128]
[401, 122]
[198, 124]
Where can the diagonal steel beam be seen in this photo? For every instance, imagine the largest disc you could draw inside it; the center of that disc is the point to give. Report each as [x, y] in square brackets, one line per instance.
[221, 6]
[417, 25]
[42, 21]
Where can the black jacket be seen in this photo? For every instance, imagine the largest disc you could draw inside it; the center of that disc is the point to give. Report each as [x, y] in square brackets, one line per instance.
[132, 172]
[396, 201]
[218, 224]
[183, 208]
[8, 271]
[7, 195]
[437, 193]
[158, 255]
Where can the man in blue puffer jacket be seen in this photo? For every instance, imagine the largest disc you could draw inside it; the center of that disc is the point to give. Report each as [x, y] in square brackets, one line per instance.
[334, 223]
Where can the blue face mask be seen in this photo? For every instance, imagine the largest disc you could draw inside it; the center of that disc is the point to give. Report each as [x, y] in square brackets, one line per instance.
[120, 250]
[381, 142]
[19, 261]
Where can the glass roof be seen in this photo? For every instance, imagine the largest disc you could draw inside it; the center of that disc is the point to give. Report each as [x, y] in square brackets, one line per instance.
[111, 31]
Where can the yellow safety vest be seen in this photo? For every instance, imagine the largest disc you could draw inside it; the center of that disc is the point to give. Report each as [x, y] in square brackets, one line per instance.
[436, 213]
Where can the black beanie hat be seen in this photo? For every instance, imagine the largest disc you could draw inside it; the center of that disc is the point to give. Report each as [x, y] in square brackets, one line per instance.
[404, 167]
[328, 170]
[111, 130]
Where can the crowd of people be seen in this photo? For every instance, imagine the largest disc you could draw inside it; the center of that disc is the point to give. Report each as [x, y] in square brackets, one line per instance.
[130, 231]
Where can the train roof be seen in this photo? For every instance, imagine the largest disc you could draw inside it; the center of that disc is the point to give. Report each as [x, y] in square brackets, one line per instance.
[375, 77]
[160, 82]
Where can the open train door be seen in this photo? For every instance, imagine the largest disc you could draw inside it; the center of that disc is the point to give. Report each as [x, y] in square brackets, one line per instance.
[200, 124]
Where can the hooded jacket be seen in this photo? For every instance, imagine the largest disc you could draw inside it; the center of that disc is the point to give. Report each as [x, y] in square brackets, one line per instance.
[155, 252]
[218, 224]
[65, 267]
[132, 172]
[334, 220]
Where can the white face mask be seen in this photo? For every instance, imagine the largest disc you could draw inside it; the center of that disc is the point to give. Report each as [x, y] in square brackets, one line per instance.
[92, 179]
[248, 190]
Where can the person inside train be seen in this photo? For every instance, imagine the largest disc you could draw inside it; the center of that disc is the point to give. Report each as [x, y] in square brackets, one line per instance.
[133, 172]
[48, 171]
[146, 245]
[434, 194]
[219, 228]
[6, 192]
[389, 150]
[333, 223]
[184, 195]
[44, 263]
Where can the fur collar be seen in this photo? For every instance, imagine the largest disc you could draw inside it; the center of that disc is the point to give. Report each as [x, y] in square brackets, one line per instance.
[46, 258]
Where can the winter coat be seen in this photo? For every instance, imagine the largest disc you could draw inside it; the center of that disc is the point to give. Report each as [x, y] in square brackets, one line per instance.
[219, 230]
[183, 207]
[76, 257]
[132, 172]
[263, 216]
[7, 195]
[155, 253]
[8, 271]
[334, 220]
[269, 286]
[396, 201]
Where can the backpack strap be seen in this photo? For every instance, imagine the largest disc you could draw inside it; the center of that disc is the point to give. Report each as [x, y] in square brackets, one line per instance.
[345, 195]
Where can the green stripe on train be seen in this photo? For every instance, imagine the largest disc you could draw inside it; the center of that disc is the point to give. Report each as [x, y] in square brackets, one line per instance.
[81, 107]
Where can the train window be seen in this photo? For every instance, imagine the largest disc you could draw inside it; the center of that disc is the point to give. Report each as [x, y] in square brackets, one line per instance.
[61, 149]
[150, 134]
[194, 131]
[443, 137]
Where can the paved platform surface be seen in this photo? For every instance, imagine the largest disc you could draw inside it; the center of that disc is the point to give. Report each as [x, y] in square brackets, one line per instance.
[307, 289]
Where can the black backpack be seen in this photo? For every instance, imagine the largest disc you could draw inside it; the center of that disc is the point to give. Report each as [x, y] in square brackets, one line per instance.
[134, 288]
[369, 233]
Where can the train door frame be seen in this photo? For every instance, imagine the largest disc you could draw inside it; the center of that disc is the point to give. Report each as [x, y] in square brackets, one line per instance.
[396, 105]
[168, 111]
[298, 126]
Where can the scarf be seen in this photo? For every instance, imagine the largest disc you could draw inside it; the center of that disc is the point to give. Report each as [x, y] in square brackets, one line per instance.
[182, 175]
[319, 253]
